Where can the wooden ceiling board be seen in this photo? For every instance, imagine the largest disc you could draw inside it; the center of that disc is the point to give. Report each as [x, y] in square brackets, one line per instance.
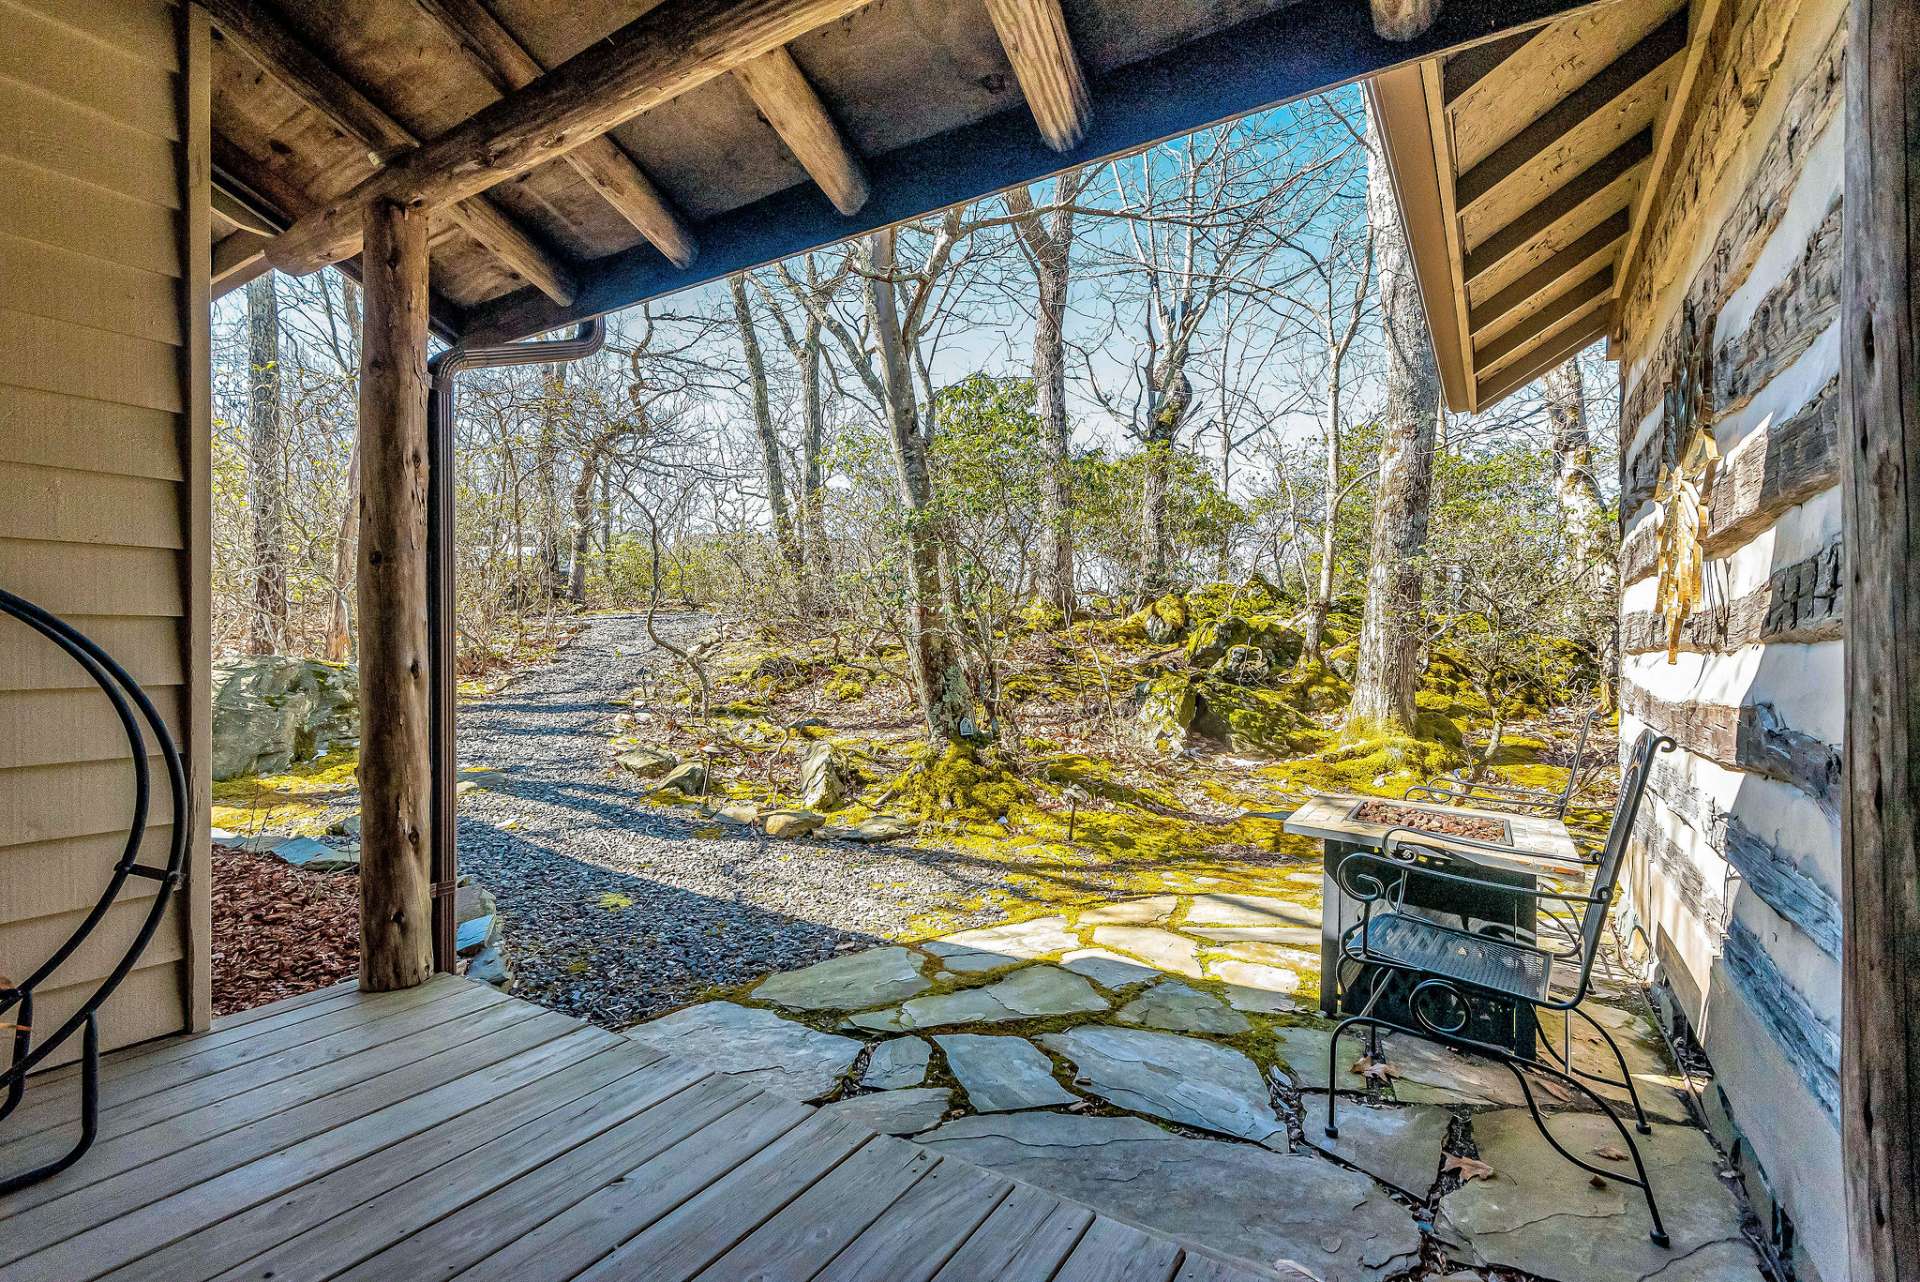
[1628, 162]
[1559, 314]
[1610, 203]
[1526, 298]
[1545, 72]
[1570, 153]
[1517, 375]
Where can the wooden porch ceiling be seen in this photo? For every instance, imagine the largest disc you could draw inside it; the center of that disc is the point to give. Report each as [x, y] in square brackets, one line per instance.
[1523, 167]
[708, 136]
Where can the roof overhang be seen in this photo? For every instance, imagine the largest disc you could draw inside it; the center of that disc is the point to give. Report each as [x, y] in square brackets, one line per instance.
[1525, 167]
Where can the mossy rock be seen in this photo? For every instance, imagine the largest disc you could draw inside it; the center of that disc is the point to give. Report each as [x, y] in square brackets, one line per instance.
[1248, 719]
[1250, 596]
[1167, 706]
[1208, 642]
[1161, 622]
[961, 785]
[1315, 688]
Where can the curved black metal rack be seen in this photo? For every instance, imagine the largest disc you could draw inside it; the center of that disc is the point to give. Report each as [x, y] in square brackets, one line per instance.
[127, 697]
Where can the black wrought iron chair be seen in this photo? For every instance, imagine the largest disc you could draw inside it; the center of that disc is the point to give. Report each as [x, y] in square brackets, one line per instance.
[1492, 794]
[16, 1002]
[1441, 973]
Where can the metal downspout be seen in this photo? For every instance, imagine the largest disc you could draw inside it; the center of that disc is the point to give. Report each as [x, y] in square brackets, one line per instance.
[442, 370]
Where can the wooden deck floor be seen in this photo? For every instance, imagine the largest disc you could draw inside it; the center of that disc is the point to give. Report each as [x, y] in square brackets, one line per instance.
[450, 1131]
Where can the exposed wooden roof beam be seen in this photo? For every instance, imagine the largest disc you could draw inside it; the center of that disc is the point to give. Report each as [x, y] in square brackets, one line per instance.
[1469, 67]
[1577, 191]
[1648, 57]
[500, 56]
[238, 258]
[1403, 19]
[667, 51]
[1581, 253]
[782, 93]
[1488, 390]
[1034, 35]
[1585, 295]
[283, 55]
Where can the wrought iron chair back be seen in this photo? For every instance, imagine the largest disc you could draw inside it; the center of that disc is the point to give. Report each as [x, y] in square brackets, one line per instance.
[1495, 795]
[1606, 871]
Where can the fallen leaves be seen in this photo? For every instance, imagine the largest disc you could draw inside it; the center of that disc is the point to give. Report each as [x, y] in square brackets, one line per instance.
[1610, 1153]
[1467, 1168]
[1374, 1070]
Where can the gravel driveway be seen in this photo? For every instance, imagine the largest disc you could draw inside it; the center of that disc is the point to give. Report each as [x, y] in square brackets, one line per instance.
[616, 910]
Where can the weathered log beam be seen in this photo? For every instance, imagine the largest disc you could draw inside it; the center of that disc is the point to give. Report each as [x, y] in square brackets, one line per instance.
[667, 51]
[1810, 1044]
[284, 56]
[1034, 35]
[1469, 67]
[238, 258]
[1577, 298]
[1794, 313]
[396, 880]
[1750, 736]
[1616, 167]
[1624, 75]
[1403, 19]
[496, 53]
[1880, 467]
[786, 98]
[1801, 603]
[1775, 468]
[1578, 258]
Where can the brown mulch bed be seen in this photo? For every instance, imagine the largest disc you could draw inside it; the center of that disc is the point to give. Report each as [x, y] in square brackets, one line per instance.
[1447, 825]
[279, 932]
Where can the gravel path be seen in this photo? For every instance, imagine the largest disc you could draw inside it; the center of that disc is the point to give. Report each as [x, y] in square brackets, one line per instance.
[617, 910]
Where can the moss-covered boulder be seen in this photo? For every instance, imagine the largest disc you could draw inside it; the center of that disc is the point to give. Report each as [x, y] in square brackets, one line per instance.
[1251, 720]
[273, 711]
[1166, 710]
[1209, 642]
[825, 780]
[1245, 665]
[1161, 622]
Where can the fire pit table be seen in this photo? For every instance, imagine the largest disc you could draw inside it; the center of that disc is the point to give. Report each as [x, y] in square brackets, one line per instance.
[1542, 851]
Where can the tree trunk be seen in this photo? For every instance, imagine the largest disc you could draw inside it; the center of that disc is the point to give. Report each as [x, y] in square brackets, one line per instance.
[396, 878]
[1583, 513]
[266, 470]
[933, 655]
[1880, 487]
[546, 477]
[1049, 245]
[772, 474]
[813, 415]
[1386, 670]
[1172, 395]
[340, 621]
[582, 526]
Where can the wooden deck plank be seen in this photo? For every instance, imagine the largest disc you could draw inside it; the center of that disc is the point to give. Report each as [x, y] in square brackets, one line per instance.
[694, 1234]
[158, 1224]
[122, 1116]
[913, 1238]
[116, 1156]
[73, 1211]
[529, 1227]
[491, 1143]
[240, 1018]
[815, 1226]
[1026, 1237]
[1116, 1252]
[1204, 1268]
[138, 1070]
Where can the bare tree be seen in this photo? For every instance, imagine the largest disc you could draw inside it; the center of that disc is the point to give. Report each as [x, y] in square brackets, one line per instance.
[266, 469]
[771, 469]
[1386, 675]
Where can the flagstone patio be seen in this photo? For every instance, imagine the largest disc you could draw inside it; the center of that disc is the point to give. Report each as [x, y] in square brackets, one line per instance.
[1162, 1059]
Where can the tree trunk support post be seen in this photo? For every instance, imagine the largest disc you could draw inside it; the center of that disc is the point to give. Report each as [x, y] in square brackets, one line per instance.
[1880, 463]
[396, 880]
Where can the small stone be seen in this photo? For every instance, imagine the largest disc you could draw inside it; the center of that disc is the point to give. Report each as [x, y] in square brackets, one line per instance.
[1175, 1006]
[876, 1021]
[865, 978]
[648, 763]
[1132, 912]
[757, 1046]
[1026, 994]
[895, 1112]
[1398, 1146]
[1182, 1079]
[1248, 910]
[1263, 990]
[489, 966]
[992, 947]
[472, 935]
[1109, 970]
[1162, 949]
[823, 777]
[792, 823]
[897, 1062]
[1001, 1074]
[739, 812]
[879, 829]
[689, 779]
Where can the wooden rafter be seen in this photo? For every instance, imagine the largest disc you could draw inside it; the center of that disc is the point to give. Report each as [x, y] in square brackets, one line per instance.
[786, 98]
[1619, 164]
[1469, 67]
[259, 34]
[1647, 58]
[665, 52]
[1583, 296]
[1034, 35]
[497, 54]
[1491, 388]
[1576, 257]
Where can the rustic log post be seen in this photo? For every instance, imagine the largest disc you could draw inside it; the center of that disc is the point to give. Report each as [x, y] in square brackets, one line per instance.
[1880, 462]
[396, 882]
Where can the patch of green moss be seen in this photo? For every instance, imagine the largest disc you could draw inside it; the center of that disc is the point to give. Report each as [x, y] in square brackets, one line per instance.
[293, 801]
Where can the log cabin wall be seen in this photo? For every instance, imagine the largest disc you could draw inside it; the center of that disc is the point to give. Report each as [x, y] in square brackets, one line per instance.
[103, 481]
[1735, 865]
